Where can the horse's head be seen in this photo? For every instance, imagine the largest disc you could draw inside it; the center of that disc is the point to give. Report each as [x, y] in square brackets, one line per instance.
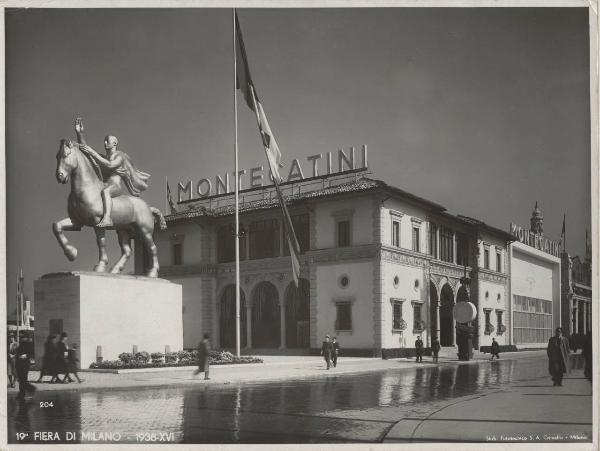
[66, 160]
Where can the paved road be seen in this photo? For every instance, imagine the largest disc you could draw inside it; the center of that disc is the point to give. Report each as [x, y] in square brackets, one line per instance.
[358, 408]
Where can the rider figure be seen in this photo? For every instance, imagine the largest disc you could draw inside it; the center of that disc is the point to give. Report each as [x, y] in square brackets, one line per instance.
[119, 168]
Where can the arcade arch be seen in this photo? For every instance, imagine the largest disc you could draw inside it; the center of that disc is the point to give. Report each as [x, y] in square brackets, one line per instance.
[266, 318]
[446, 316]
[297, 314]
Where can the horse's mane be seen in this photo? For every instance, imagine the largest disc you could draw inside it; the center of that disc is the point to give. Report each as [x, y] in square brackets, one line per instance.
[93, 162]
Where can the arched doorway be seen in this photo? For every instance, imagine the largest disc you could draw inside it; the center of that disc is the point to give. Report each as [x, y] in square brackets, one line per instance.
[433, 310]
[227, 318]
[446, 317]
[297, 315]
[266, 319]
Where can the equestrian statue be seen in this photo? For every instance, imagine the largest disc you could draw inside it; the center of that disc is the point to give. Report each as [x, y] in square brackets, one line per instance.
[104, 195]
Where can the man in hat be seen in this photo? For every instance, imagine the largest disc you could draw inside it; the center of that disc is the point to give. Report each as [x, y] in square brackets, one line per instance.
[23, 363]
[326, 351]
[558, 357]
[335, 350]
[419, 349]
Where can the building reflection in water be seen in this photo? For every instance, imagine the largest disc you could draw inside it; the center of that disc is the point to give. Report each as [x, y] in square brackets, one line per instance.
[315, 410]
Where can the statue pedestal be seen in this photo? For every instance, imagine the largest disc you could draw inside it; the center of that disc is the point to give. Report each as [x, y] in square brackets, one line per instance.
[113, 311]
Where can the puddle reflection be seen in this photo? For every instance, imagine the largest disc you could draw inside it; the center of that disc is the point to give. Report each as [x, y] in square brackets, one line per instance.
[305, 411]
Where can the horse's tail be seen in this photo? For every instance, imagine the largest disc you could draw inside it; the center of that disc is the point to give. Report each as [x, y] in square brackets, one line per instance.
[159, 216]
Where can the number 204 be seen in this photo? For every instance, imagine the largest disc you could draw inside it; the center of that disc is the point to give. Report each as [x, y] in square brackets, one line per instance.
[44, 404]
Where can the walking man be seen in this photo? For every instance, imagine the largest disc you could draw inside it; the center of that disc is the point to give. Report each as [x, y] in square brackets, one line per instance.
[419, 349]
[495, 349]
[558, 357]
[326, 349]
[12, 360]
[73, 363]
[335, 346]
[203, 357]
[23, 363]
[435, 349]
[587, 355]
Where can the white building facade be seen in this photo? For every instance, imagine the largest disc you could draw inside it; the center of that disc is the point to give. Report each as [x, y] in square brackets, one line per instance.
[379, 267]
[535, 285]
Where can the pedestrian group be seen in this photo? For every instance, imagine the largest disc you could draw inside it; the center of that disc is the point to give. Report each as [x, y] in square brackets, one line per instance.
[330, 351]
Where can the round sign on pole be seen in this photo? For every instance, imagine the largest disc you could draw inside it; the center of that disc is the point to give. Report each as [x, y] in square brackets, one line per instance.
[464, 312]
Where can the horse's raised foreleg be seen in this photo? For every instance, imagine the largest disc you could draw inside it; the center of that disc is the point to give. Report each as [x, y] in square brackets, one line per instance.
[102, 256]
[125, 251]
[151, 247]
[58, 228]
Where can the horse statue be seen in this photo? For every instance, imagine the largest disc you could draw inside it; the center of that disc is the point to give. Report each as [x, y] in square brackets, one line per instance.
[129, 214]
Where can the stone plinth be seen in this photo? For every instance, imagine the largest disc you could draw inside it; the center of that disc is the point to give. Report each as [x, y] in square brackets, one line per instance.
[108, 310]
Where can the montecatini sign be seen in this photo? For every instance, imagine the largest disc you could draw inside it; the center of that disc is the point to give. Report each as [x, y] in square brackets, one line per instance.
[535, 240]
[318, 165]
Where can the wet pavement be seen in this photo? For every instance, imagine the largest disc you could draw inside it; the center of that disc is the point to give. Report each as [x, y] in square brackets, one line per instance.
[355, 408]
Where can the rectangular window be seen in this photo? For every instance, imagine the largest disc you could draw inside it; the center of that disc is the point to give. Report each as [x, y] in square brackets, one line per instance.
[488, 322]
[417, 322]
[416, 239]
[397, 315]
[446, 244]
[433, 240]
[177, 253]
[532, 320]
[226, 243]
[499, 318]
[486, 258]
[462, 249]
[343, 319]
[396, 233]
[302, 230]
[264, 239]
[498, 262]
[343, 233]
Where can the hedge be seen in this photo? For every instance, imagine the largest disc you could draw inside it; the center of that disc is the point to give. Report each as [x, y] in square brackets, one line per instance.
[128, 360]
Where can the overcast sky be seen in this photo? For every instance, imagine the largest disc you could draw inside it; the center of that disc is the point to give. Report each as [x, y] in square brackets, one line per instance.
[485, 111]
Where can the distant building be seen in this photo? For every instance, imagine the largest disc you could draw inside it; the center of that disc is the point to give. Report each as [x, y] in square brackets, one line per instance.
[577, 292]
[535, 284]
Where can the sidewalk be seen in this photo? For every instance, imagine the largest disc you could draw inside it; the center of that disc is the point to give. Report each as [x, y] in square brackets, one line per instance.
[273, 368]
[550, 414]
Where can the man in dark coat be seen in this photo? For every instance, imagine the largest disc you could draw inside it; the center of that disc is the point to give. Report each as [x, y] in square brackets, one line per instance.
[435, 349]
[419, 349]
[495, 349]
[326, 351]
[203, 357]
[73, 363]
[23, 363]
[49, 359]
[558, 357]
[587, 355]
[335, 350]
[62, 350]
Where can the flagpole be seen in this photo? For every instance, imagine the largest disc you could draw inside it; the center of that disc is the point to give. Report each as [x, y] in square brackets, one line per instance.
[18, 282]
[237, 217]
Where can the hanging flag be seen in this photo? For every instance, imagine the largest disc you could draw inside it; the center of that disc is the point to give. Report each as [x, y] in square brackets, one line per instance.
[246, 86]
[20, 290]
[588, 246]
[563, 233]
[170, 199]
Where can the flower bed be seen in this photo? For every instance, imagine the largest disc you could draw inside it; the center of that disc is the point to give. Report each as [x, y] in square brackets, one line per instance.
[128, 360]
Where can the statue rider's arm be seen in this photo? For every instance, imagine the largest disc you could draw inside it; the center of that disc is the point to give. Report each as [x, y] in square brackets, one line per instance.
[79, 131]
[110, 164]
